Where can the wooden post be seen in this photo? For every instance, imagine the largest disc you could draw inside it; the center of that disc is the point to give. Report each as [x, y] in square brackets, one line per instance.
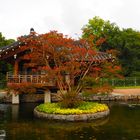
[47, 96]
[15, 98]
[16, 67]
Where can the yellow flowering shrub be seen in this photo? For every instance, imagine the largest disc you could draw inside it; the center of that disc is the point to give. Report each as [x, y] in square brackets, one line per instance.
[83, 108]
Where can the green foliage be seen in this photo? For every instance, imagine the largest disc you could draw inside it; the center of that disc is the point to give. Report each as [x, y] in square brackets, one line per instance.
[83, 108]
[88, 105]
[2, 81]
[89, 82]
[102, 29]
[4, 41]
[95, 86]
[4, 67]
[125, 41]
[130, 52]
[128, 87]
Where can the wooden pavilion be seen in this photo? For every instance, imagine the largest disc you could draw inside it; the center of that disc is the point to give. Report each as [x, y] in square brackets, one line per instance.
[12, 54]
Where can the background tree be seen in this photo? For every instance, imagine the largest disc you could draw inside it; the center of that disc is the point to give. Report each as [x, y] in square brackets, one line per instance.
[130, 52]
[125, 41]
[103, 29]
[4, 67]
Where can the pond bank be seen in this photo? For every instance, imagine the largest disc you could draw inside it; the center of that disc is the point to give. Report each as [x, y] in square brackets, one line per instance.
[116, 95]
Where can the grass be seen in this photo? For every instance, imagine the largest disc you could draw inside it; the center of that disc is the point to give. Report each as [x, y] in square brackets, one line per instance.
[127, 87]
[83, 108]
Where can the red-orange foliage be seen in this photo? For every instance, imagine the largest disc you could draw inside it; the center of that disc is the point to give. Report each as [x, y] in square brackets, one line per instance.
[61, 57]
[24, 88]
[104, 89]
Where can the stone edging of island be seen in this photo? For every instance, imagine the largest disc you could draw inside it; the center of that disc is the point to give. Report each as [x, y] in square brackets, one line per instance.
[71, 118]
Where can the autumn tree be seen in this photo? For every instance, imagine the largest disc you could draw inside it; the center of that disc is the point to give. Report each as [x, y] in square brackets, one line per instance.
[64, 59]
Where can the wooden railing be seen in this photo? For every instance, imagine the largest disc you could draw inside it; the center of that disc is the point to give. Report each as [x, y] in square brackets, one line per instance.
[36, 79]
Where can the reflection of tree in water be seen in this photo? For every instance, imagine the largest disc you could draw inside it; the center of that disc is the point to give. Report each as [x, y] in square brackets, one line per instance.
[123, 123]
[72, 126]
[50, 130]
[1, 113]
[77, 130]
[27, 131]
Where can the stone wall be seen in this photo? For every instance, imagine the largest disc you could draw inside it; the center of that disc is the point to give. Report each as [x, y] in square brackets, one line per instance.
[112, 97]
[80, 117]
[29, 98]
[107, 97]
[40, 98]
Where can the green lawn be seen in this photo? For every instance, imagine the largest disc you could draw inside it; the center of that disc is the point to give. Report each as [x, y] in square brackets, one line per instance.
[127, 87]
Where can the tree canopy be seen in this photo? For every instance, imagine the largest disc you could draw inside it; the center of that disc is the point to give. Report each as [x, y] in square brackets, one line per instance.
[4, 67]
[125, 41]
[64, 59]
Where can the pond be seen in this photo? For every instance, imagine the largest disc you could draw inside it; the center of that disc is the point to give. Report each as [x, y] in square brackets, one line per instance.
[19, 123]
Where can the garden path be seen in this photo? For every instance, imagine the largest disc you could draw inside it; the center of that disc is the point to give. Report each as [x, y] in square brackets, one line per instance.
[132, 91]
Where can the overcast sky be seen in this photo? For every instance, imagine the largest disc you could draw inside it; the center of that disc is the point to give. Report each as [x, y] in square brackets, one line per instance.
[65, 16]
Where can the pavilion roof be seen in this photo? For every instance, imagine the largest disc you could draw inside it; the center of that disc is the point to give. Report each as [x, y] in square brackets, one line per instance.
[10, 48]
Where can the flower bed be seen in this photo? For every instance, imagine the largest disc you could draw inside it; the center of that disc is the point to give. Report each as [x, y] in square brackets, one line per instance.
[85, 111]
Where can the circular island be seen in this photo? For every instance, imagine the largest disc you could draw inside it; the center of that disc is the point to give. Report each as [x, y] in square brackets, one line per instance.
[84, 112]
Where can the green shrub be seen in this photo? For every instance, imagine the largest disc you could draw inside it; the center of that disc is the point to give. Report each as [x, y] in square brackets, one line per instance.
[83, 108]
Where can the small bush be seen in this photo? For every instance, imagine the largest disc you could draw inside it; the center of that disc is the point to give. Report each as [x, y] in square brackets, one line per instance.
[70, 99]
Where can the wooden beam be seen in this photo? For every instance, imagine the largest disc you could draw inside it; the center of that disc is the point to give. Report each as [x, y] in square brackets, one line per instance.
[16, 67]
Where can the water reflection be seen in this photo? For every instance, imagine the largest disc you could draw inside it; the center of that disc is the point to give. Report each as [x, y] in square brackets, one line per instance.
[20, 124]
[2, 134]
[15, 112]
[46, 129]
